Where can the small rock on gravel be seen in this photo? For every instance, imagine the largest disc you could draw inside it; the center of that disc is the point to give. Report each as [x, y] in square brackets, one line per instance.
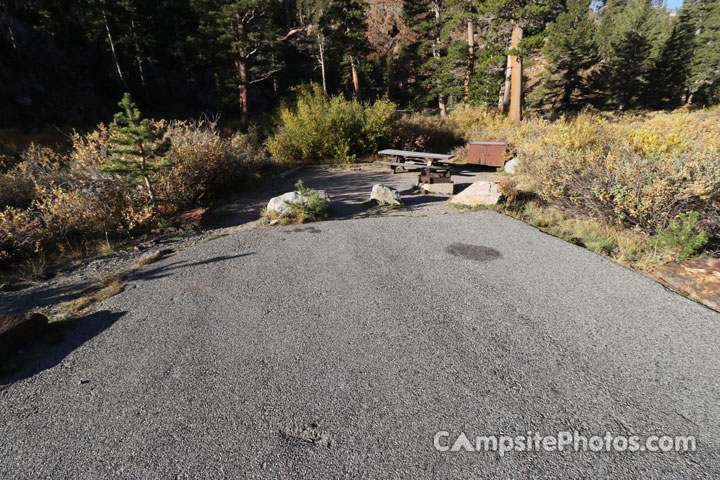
[384, 194]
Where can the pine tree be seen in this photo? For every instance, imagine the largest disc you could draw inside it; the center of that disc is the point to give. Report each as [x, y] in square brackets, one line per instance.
[138, 146]
[428, 19]
[343, 23]
[672, 66]
[630, 53]
[242, 34]
[704, 80]
[570, 52]
[610, 13]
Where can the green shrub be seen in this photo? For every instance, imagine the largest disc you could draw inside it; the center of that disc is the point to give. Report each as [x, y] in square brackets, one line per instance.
[315, 209]
[319, 127]
[682, 237]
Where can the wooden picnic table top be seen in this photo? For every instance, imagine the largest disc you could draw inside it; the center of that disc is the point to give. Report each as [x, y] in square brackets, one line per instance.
[407, 154]
[412, 166]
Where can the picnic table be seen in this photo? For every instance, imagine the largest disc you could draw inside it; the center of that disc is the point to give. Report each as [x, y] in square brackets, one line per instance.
[429, 163]
[401, 156]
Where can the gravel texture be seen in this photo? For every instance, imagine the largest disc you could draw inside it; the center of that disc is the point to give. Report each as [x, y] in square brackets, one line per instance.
[348, 185]
[338, 350]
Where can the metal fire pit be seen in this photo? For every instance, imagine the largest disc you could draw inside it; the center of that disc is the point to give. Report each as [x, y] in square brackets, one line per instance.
[434, 176]
[491, 154]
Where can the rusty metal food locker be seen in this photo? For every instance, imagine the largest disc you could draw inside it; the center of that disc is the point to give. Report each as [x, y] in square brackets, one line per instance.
[491, 154]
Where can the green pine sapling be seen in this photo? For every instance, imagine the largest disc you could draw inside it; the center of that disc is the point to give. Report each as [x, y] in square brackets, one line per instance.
[682, 237]
[138, 146]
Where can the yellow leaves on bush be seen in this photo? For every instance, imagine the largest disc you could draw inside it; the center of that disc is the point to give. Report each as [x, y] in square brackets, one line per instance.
[67, 212]
[91, 151]
[205, 164]
[51, 201]
[319, 127]
[641, 171]
[20, 232]
[38, 166]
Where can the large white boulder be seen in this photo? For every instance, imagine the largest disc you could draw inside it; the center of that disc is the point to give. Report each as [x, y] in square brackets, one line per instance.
[479, 193]
[511, 166]
[384, 194]
[278, 206]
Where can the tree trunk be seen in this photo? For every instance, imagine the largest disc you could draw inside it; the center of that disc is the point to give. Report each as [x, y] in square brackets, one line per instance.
[139, 61]
[150, 190]
[516, 81]
[441, 106]
[470, 61]
[8, 21]
[355, 78]
[321, 47]
[504, 104]
[148, 185]
[114, 54]
[243, 90]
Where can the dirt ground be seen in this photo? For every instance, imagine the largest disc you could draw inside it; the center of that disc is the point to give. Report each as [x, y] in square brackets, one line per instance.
[349, 187]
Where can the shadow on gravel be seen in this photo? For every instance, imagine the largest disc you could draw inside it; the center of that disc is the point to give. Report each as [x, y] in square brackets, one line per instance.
[473, 252]
[22, 301]
[306, 230]
[165, 270]
[56, 343]
[411, 200]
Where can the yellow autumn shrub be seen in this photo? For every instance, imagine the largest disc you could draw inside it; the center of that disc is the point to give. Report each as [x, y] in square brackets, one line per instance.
[205, 165]
[637, 171]
[51, 202]
[321, 128]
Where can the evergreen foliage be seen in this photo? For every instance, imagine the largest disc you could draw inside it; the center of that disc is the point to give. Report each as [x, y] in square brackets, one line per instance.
[243, 57]
[704, 78]
[138, 146]
[630, 54]
[570, 52]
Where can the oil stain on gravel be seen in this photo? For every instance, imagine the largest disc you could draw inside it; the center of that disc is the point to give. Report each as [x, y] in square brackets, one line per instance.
[473, 252]
[307, 230]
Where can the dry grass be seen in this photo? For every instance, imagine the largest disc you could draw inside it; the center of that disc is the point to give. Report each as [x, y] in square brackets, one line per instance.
[56, 204]
[630, 247]
[149, 258]
[107, 286]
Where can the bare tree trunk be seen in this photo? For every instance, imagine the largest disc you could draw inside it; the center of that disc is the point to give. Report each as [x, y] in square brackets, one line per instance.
[355, 78]
[8, 21]
[436, 54]
[516, 82]
[243, 90]
[148, 185]
[114, 53]
[139, 61]
[321, 46]
[504, 104]
[470, 60]
[150, 190]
